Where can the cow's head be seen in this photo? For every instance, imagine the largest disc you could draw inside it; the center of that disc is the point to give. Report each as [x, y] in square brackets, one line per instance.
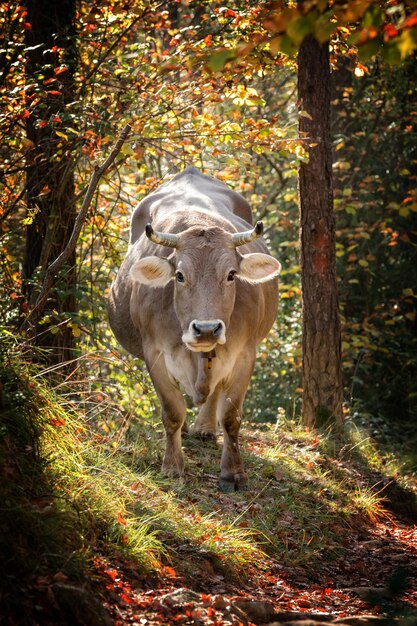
[205, 264]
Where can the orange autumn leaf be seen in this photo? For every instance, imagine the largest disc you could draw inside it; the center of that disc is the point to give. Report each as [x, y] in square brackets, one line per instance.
[169, 571]
[121, 520]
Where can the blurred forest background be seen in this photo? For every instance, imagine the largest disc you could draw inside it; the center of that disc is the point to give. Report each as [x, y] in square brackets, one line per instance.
[213, 85]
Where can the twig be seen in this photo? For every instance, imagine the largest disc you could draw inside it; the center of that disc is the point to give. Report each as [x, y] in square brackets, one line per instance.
[55, 266]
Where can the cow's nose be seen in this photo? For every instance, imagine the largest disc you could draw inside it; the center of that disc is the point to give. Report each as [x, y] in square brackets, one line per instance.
[207, 330]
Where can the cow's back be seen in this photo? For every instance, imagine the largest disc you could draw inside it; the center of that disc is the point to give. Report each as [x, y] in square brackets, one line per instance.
[194, 191]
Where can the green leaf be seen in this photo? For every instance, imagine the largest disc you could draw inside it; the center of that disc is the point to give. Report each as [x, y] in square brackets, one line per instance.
[404, 211]
[305, 114]
[218, 60]
[407, 42]
[324, 28]
[391, 53]
[299, 28]
[373, 17]
[369, 49]
[287, 46]
[61, 134]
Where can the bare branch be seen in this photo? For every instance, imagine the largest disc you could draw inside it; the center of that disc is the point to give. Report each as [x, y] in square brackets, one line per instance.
[53, 269]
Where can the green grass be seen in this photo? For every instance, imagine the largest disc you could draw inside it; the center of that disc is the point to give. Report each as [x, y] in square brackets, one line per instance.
[74, 486]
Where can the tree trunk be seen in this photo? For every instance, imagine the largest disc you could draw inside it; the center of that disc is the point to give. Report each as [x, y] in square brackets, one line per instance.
[322, 380]
[51, 62]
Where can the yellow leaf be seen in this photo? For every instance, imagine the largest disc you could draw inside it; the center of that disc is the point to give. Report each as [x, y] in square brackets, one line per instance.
[76, 330]
[406, 43]
[61, 134]
[305, 114]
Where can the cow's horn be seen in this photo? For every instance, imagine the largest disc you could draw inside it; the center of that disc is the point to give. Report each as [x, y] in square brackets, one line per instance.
[163, 239]
[239, 239]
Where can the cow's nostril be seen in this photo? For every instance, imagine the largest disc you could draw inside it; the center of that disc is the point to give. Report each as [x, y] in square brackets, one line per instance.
[218, 330]
[196, 329]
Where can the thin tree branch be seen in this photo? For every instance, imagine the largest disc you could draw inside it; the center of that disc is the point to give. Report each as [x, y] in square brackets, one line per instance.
[55, 266]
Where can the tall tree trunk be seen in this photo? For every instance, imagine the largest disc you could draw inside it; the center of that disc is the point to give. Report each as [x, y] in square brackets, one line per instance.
[322, 380]
[50, 67]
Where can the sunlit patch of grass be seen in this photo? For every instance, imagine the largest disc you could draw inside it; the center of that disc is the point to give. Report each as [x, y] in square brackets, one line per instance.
[303, 500]
[141, 514]
[182, 525]
[85, 480]
[369, 503]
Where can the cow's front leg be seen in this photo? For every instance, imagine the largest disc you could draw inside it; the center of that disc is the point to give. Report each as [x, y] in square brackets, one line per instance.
[232, 473]
[173, 416]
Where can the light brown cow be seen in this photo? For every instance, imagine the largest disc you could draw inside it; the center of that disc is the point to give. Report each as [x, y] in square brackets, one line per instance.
[194, 296]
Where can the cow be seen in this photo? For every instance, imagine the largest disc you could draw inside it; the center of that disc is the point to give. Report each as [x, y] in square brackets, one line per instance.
[194, 296]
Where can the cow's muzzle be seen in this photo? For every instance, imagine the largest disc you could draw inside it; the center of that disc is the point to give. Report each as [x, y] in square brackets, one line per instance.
[203, 335]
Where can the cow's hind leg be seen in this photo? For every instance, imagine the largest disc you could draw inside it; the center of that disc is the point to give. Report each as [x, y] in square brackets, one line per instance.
[205, 426]
[173, 416]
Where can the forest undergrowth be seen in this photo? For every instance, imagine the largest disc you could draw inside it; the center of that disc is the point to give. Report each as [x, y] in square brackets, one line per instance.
[327, 525]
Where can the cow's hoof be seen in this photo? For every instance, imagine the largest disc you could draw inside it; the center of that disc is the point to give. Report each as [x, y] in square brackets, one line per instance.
[230, 484]
[176, 470]
[241, 482]
[172, 473]
[227, 485]
[204, 436]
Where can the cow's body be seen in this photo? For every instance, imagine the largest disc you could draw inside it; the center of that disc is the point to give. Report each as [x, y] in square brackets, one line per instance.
[221, 300]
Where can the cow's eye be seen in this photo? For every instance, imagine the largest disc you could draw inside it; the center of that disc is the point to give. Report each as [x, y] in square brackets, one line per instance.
[231, 275]
[180, 276]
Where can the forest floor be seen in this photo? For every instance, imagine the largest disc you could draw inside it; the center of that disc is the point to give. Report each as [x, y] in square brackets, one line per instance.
[91, 534]
[375, 574]
[355, 586]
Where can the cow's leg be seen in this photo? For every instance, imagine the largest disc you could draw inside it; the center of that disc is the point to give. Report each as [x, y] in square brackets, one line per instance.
[205, 425]
[232, 473]
[173, 416]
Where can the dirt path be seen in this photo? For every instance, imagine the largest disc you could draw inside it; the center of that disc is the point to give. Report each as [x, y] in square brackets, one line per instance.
[379, 577]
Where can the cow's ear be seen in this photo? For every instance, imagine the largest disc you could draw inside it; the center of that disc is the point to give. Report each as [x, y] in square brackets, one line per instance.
[258, 267]
[152, 271]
